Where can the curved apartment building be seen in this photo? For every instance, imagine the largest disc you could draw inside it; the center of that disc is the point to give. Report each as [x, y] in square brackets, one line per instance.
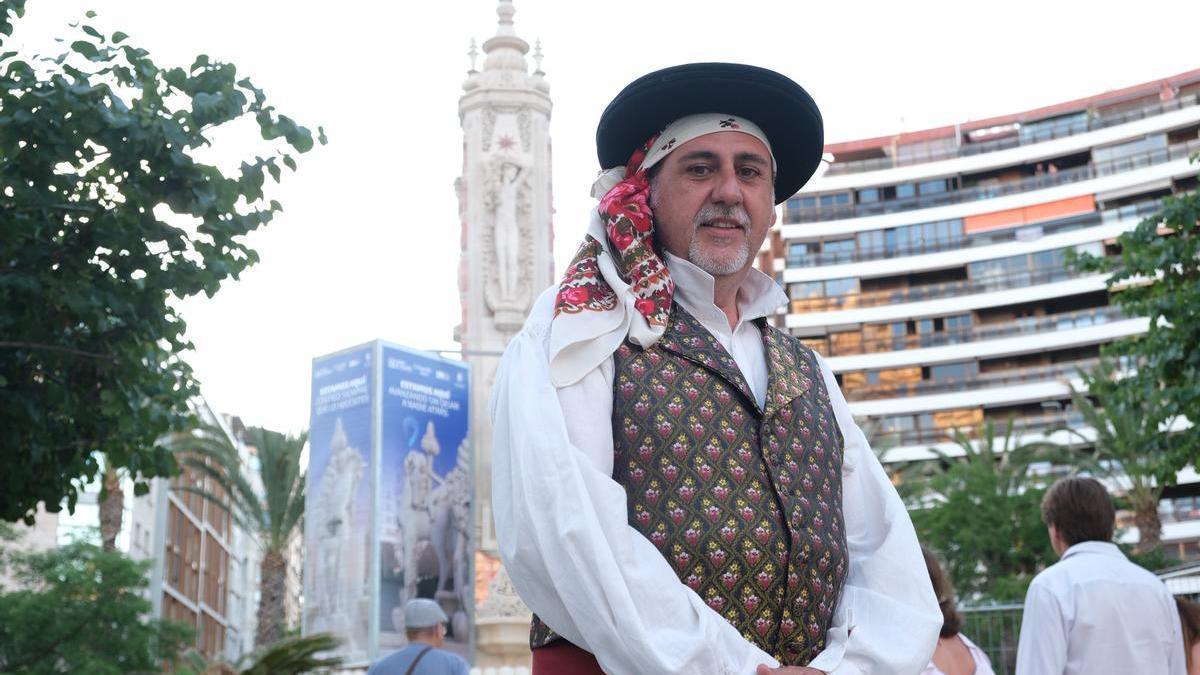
[928, 267]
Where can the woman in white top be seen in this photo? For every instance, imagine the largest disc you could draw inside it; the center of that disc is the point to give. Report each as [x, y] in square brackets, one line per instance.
[955, 654]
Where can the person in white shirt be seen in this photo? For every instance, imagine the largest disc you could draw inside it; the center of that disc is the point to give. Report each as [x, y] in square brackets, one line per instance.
[678, 486]
[1094, 611]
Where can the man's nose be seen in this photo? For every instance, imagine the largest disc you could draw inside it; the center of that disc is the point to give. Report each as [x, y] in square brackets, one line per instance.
[727, 189]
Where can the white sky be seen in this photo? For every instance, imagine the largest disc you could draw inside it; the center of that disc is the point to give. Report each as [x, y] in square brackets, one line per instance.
[367, 246]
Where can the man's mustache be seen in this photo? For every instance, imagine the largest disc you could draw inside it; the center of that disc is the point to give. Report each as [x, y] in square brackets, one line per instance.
[722, 214]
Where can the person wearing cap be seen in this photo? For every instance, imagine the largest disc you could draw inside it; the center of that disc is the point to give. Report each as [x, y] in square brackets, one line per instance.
[678, 486]
[425, 626]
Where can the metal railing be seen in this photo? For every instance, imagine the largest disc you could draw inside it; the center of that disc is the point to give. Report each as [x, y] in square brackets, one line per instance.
[1021, 425]
[995, 282]
[1056, 371]
[1027, 326]
[1068, 128]
[1138, 210]
[978, 192]
[995, 629]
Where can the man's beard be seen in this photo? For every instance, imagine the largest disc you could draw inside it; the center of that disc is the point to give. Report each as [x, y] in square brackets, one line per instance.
[722, 265]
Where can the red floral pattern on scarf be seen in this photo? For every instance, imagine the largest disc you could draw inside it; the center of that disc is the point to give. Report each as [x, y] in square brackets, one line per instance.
[629, 223]
[582, 286]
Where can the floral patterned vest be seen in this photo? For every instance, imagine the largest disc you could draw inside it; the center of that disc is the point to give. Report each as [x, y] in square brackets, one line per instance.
[745, 503]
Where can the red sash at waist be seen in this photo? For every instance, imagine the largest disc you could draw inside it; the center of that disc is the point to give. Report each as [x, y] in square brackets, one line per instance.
[564, 658]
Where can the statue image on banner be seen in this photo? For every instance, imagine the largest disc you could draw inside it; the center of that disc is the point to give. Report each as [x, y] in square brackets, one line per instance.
[334, 514]
[434, 519]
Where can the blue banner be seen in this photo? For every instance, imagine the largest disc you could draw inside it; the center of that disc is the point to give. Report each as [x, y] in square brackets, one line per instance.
[426, 486]
[338, 507]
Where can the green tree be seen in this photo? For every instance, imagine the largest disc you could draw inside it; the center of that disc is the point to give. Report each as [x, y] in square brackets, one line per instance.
[1128, 447]
[982, 512]
[273, 515]
[108, 215]
[81, 609]
[1157, 275]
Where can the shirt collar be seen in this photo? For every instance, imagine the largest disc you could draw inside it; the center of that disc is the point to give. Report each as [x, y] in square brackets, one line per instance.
[1101, 547]
[758, 296]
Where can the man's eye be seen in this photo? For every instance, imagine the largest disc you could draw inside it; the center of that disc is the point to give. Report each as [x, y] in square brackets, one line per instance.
[699, 170]
[749, 172]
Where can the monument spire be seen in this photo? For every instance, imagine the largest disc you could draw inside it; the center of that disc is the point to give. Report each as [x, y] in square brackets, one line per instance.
[505, 50]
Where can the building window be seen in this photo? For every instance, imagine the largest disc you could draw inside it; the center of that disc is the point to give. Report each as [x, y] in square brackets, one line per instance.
[906, 190]
[871, 241]
[932, 187]
[947, 372]
[868, 195]
[958, 322]
[805, 290]
[840, 251]
[795, 206]
[847, 286]
[837, 199]
[801, 253]
[1055, 127]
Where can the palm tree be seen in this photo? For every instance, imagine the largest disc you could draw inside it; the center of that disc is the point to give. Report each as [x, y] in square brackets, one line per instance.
[980, 510]
[291, 655]
[111, 506]
[1129, 447]
[272, 514]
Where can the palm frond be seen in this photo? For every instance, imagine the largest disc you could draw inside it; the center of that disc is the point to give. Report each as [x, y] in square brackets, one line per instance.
[293, 655]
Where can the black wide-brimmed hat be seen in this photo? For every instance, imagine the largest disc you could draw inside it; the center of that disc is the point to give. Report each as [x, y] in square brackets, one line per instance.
[779, 106]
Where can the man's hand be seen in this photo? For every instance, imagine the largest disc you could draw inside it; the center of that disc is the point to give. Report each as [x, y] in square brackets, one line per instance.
[764, 669]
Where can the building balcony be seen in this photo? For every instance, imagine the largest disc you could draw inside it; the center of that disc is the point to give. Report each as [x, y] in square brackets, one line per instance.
[1078, 335]
[997, 282]
[1026, 426]
[1016, 139]
[984, 192]
[848, 316]
[1001, 378]
[929, 246]
[1028, 326]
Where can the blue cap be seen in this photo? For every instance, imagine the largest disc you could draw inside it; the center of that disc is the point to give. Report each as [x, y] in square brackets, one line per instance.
[423, 613]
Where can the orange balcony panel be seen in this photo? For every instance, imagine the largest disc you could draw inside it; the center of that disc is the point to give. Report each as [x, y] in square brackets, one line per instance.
[1029, 214]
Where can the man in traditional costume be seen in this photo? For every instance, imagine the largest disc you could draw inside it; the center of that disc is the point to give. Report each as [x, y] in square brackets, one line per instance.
[678, 486]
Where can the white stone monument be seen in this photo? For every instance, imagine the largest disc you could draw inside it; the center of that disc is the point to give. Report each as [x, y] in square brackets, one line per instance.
[505, 206]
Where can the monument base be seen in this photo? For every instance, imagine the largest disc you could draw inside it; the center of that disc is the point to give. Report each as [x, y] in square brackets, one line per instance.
[502, 641]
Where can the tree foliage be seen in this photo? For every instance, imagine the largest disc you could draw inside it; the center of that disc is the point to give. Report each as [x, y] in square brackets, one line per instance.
[81, 609]
[273, 513]
[291, 655]
[106, 216]
[1157, 275]
[1128, 447]
[982, 512]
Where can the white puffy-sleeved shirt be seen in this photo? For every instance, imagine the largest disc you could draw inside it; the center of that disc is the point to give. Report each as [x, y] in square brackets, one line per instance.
[564, 537]
[1095, 612]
